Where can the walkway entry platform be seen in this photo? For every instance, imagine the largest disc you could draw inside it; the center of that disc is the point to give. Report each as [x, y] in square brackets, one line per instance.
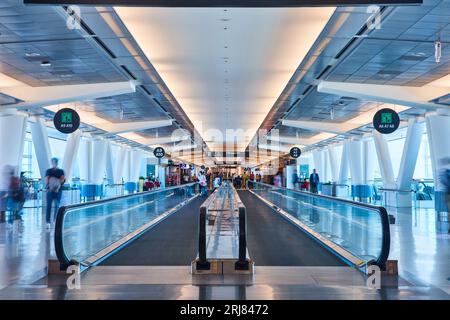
[222, 236]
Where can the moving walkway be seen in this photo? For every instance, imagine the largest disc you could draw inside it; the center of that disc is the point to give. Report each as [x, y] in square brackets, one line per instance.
[175, 226]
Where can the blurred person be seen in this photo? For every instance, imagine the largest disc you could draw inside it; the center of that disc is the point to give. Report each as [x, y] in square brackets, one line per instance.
[295, 180]
[12, 196]
[4, 189]
[314, 181]
[278, 180]
[54, 179]
[203, 184]
[444, 178]
[217, 182]
[244, 180]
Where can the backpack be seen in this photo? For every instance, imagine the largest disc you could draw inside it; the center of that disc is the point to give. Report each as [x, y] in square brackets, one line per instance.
[54, 184]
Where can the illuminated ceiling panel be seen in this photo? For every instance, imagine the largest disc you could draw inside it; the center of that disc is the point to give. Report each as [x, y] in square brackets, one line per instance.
[226, 67]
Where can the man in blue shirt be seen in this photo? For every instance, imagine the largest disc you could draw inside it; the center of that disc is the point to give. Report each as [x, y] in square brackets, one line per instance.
[313, 181]
[54, 179]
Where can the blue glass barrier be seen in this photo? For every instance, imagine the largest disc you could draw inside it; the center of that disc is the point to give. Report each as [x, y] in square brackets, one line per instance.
[86, 232]
[358, 228]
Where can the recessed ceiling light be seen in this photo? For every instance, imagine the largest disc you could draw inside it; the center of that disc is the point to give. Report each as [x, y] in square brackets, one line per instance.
[32, 54]
[46, 63]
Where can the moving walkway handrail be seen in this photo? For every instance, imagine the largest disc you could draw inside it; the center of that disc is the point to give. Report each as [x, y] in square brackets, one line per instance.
[242, 263]
[62, 211]
[382, 212]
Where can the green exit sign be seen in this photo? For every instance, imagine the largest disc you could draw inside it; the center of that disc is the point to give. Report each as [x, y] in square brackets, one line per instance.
[66, 117]
[386, 117]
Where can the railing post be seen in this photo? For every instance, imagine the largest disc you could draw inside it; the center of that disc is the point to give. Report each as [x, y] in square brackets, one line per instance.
[242, 263]
[202, 263]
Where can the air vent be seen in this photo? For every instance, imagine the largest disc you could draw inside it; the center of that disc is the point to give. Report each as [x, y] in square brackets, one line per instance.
[104, 47]
[413, 57]
[389, 73]
[323, 72]
[145, 90]
[306, 90]
[160, 105]
[293, 105]
[128, 72]
[340, 53]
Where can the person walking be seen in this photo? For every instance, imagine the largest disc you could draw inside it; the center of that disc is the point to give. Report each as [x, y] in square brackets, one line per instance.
[278, 180]
[54, 179]
[314, 181]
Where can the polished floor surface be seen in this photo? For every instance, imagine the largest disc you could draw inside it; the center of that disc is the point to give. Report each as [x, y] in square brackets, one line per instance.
[420, 243]
[149, 282]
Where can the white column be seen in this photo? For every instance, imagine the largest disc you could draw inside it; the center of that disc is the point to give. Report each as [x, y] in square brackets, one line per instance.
[343, 170]
[127, 166]
[409, 160]
[41, 145]
[369, 161]
[120, 164]
[384, 160]
[109, 164]
[85, 160]
[70, 154]
[135, 165]
[318, 163]
[333, 163]
[438, 130]
[355, 161]
[386, 170]
[12, 130]
[99, 161]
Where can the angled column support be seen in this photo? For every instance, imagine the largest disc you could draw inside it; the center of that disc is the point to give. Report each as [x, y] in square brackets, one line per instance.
[409, 160]
[41, 145]
[70, 153]
[109, 165]
[356, 156]
[333, 164]
[386, 170]
[369, 161]
[343, 169]
[12, 139]
[120, 164]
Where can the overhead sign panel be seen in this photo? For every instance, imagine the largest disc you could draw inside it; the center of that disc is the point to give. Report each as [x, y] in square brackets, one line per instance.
[66, 120]
[222, 3]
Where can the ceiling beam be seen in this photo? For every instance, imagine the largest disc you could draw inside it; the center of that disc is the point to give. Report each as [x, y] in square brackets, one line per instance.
[124, 127]
[34, 97]
[321, 126]
[417, 97]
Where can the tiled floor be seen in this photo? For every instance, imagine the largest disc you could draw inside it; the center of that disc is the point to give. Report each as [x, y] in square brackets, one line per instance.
[419, 241]
[149, 282]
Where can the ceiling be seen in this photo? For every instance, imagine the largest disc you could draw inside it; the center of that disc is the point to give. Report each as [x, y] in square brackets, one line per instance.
[177, 57]
[225, 67]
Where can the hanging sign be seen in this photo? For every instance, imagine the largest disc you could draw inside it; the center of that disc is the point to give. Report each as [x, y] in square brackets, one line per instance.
[295, 152]
[159, 152]
[386, 121]
[66, 120]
